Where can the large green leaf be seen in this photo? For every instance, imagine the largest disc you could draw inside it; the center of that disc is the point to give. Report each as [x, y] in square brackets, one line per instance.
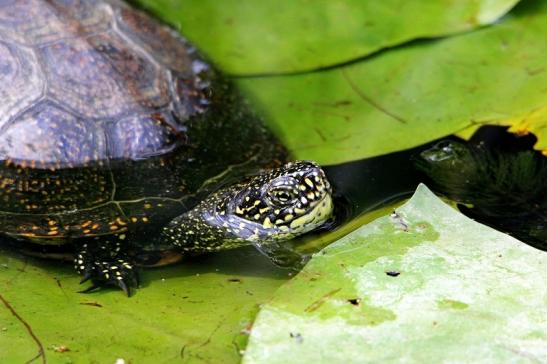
[193, 312]
[410, 95]
[272, 36]
[423, 285]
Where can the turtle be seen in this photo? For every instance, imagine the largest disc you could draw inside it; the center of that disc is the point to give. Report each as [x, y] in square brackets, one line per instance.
[123, 146]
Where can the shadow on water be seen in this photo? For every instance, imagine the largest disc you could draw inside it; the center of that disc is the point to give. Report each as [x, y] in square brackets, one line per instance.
[497, 178]
[367, 184]
[245, 261]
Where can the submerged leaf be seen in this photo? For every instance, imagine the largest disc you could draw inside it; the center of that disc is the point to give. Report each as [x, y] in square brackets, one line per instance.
[273, 36]
[195, 311]
[423, 285]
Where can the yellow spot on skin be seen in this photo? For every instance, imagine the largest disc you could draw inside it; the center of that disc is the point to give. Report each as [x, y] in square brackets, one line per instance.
[87, 231]
[263, 210]
[147, 206]
[134, 219]
[51, 222]
[308, 182]
[145, 219]
[267, 223]
[288, 217]
[52, 232]
[239, 211]
[321, 212]
[114, 227]
[86, 224]
[121, 222]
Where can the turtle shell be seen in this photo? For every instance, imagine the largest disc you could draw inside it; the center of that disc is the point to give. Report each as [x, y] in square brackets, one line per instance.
[110, 122]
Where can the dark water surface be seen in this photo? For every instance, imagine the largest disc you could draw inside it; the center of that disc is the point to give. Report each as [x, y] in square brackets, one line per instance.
[503, 184]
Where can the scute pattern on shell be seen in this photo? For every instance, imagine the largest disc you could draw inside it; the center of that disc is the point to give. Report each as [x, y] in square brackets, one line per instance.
[142, 135]
[164, 43]
[52, 20]
[46, 135]
[21, 80]
[97, 62]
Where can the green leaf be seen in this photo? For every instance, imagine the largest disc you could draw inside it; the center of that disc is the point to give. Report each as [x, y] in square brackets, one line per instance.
[414, 94]
[184, 313]
[273, 36]
[465, 293]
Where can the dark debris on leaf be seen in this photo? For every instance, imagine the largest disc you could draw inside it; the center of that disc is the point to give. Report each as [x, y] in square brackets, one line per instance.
[354, 301]
[94, 304]
[297, 336]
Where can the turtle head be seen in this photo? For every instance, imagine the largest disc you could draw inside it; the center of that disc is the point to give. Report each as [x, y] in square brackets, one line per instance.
[270, 207]
[281, 203]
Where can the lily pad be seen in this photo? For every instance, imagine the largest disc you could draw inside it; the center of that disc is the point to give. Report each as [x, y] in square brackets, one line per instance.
[195, 311]
[416, 93]
[423, 285]
[250, 37]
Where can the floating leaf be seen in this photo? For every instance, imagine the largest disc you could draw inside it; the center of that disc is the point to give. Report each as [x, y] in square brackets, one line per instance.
[272, 36]
[423, 285]
[410, 95]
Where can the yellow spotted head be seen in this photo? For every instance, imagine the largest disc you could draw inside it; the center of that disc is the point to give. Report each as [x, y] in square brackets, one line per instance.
[274, 206]
[282, 203]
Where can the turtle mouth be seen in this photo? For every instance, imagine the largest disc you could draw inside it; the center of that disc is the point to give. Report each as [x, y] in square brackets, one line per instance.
[317, 215]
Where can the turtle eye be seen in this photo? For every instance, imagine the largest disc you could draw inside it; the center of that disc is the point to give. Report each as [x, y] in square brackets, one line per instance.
[282, 195]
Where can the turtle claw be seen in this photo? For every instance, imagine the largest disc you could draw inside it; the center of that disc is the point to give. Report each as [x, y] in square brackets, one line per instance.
[90, 288]
[111, 274]
[87, 276]
[107, 273]
[124, 287]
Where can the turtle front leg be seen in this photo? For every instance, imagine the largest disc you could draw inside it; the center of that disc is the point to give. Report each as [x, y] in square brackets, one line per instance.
[102, 262]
